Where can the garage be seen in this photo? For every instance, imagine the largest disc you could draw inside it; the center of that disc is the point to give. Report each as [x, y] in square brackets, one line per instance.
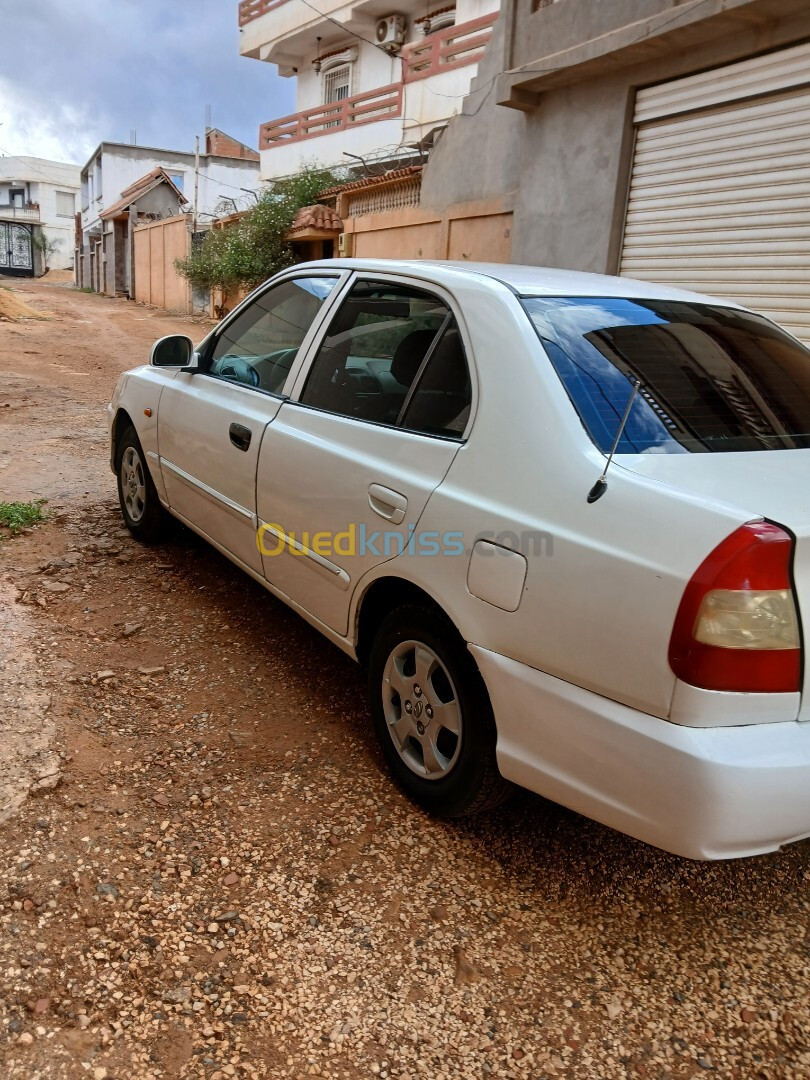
[719, 196]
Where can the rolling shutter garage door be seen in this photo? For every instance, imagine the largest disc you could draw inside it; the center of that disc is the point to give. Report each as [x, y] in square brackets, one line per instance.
[719, 196]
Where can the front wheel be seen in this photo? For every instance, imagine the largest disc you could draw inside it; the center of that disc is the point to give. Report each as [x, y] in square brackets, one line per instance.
[432, 714]
[140, 506]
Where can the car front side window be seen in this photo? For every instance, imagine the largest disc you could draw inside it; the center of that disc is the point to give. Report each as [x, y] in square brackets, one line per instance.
[392, 355]
[260, 345]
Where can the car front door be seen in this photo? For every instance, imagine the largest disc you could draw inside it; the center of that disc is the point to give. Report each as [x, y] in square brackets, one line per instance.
[211, 422]
[346, 469]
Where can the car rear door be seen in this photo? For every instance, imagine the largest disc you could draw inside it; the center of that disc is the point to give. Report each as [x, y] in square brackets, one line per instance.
[211, 423]
[348, 465]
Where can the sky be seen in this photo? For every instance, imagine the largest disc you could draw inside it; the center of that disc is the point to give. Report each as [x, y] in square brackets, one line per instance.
[76, 72]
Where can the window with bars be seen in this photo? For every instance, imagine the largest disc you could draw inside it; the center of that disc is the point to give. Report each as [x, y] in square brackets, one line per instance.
[336, 83]
[336, 87]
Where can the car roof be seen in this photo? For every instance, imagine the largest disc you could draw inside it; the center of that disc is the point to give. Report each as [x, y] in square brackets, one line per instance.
[530, 280]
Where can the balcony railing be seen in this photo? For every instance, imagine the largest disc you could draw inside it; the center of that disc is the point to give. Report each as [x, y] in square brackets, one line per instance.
[381, 104]
[20, 213]
[254, 9]
[447, 49]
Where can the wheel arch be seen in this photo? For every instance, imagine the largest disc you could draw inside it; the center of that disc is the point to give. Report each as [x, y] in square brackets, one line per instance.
[121, 421]
[381, 597]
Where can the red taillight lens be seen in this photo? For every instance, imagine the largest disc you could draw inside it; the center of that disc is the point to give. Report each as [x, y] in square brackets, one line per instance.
[737, 628]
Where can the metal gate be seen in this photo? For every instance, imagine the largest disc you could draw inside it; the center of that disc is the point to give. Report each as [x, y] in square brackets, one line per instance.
[16, 249]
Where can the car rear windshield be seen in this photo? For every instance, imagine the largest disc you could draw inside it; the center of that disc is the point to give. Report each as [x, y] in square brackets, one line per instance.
[711, 378]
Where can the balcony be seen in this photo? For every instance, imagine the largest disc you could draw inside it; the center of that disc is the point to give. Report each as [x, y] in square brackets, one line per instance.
[29, 212]
[338, 116]
[447, 49]
[254, 9]
[286, 33]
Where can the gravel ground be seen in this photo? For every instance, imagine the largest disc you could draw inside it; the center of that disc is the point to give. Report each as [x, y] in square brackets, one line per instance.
[221, 881]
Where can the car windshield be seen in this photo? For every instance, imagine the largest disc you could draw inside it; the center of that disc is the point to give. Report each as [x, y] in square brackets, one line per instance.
[711, 378]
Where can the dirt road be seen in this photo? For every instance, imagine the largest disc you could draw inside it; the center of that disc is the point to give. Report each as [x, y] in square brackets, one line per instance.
[210, 875]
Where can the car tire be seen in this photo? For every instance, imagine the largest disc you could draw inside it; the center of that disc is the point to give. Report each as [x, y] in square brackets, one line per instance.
[432, 714]
[140, 506]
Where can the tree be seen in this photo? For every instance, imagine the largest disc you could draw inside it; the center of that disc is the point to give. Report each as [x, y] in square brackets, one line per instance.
[255, 247]
[46, 247]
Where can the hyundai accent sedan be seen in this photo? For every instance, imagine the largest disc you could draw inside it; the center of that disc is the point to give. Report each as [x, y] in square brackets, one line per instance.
[562, 519]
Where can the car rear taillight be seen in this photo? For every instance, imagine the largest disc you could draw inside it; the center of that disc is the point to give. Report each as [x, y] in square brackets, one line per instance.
[737, 627]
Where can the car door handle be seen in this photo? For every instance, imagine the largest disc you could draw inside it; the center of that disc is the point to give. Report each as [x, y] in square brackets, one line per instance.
[240, 436]
[387, 503]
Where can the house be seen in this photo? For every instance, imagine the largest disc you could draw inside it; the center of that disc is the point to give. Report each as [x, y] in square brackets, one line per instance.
[659, 139]
[375, 85]
[37, 199]
[152, 197]
[223, 175]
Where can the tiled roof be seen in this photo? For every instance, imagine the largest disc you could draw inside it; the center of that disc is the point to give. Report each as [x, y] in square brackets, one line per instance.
[317, 217]
[139, 188]
[373, 181]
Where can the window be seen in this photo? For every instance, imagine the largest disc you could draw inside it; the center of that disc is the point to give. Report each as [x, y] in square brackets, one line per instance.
[393, 355]
[711, 378]
[65, 204]
[177, 180]
[259, 346]
[337, 83]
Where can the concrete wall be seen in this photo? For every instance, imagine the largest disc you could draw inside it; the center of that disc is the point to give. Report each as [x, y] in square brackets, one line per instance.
[479, 232]
[563, 143]
[156, 246]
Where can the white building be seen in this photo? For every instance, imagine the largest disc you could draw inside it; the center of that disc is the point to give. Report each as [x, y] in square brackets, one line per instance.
[222, 178]
[37, 197]
[374, 80]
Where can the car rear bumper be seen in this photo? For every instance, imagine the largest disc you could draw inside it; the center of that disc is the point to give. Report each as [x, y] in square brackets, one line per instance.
[704, 793]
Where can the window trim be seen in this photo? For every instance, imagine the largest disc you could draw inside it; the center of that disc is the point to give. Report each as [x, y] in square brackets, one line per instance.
[408, 281]
[208, 344]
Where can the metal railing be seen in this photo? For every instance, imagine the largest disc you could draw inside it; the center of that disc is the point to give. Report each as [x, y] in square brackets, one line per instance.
[447, 49]
[380, 104]
[20, 213]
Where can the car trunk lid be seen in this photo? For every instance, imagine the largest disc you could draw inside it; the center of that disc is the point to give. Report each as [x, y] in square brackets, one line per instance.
[773, 484]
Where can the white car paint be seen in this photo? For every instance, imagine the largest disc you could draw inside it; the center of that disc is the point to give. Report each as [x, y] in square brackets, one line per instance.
[574, 648]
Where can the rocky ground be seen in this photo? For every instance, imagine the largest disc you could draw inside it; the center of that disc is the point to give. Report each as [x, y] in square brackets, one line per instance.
[204, 871]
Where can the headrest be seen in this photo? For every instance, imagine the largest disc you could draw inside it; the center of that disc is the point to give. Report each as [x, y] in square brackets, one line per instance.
[409, 354]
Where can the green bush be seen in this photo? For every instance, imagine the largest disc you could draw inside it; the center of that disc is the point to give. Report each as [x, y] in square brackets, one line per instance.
[254, 248]
[16, 516]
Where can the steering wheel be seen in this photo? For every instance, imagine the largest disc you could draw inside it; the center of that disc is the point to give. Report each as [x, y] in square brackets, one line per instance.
[238, 368]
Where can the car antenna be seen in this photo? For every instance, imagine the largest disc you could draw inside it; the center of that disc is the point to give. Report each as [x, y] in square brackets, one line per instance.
[600, 487]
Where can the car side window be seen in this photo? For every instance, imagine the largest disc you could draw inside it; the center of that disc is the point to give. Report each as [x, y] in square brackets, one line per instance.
[259, 346]
[440, 402]
[371, 364]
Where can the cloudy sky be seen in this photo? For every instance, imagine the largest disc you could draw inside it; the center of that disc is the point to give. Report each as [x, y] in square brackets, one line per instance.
[74, 72]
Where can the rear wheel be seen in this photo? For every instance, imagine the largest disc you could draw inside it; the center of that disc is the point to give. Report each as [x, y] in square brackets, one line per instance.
[143, 515]
[432, 714]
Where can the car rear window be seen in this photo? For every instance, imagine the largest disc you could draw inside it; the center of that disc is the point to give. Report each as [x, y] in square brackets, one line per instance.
[711, 378]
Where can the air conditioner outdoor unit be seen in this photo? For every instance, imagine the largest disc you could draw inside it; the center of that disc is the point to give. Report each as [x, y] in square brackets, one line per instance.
[391, 33]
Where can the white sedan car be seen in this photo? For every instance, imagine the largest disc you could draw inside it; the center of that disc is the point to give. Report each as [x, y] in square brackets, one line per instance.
[563, 520]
